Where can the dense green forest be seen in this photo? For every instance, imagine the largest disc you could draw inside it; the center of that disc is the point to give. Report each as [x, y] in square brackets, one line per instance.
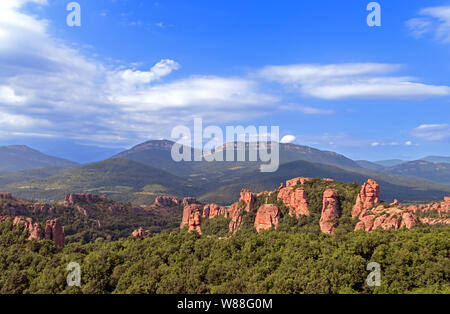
[276, 261]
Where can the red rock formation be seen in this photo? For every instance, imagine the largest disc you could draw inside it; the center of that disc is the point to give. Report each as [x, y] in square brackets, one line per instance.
[295, 200]
[187, 212]
[213, 210]
[166, 201]
[394, 203]
[141, 233]
[55, 231]
[387, 219]
[330, 211]
[188, 201]
[248, 198]
[235, 213]
[447, 199]
[73, 198]
[195, 222]
[267, 216]
[367, 198]
[296, 181]
[34, 230]
[44, 209]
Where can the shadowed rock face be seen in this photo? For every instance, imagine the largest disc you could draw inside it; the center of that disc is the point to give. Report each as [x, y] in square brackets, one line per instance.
[55, 231]
[330, 211]
[367, 198]
[267, 217]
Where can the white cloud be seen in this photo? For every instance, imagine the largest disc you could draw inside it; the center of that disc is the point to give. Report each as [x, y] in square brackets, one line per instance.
[432, 132]
[375, 144]
[408, 143]
[306, 109]
[45, 79]
[287, 139]
[8, 96]
[435, 20]
[350, 80]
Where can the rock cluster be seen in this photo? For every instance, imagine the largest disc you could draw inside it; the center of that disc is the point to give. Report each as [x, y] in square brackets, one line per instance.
[74, 198]
[395, 215]
[141, 233]
[54, 231]
[166, 201]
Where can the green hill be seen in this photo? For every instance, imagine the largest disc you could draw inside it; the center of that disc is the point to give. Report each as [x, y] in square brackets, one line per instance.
[19, 157]
[119, 179]
[434, 171]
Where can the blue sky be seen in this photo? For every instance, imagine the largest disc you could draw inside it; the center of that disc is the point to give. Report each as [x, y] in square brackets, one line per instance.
[136, 69]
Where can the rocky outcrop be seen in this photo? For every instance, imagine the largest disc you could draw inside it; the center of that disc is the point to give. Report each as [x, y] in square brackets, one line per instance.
[195, 222]
[386, 218]
[74, 198]
[295, 200]
[166, 201]
[330, 211]
[235, 213]
[188, 201]
[367, 198]
[267, 217]
[396, 216]
[55, 231]
[187, 213]
[34, 230]
[297, 181]
[141, 233]
[248, 198]
[213, 210]
[44, 209]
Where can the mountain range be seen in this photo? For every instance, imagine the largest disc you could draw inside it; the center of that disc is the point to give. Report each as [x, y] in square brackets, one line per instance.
[147, 170]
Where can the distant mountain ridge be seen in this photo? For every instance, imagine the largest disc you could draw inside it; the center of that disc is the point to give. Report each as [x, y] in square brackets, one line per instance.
[21, 157]
[147, 170]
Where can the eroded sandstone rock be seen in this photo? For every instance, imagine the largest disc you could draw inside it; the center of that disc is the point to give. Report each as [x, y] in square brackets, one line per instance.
[267, 217]
[166, 201]
[330, 211]
[248, 198]
[213, 210]
[195, 222]
[295, 200]
[367, 198]
[55, 231]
